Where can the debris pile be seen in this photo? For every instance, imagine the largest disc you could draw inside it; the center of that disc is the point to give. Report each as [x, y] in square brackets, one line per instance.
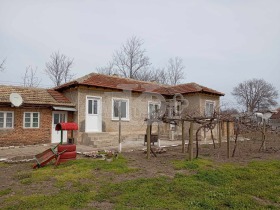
[101, 154]
[157, 150]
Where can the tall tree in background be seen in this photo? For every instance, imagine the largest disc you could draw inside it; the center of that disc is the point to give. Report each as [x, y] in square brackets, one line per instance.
[2, 65]
[131, 62]
[59, 68]
[175, 71]
[131, 58]
[30, 79]
[255, 94]
[108, 69]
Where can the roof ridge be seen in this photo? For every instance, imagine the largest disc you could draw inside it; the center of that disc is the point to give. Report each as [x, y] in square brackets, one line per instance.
[131, 79]
[22, 87]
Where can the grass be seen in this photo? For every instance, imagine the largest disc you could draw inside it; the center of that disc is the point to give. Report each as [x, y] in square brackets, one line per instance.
[210, 186]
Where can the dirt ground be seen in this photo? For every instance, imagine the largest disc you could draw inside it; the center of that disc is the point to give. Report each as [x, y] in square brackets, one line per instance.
[161, 165]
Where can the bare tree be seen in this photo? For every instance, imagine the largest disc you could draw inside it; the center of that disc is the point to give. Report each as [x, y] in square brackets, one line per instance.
[2, 65]
[255, 94]
[161, 76]
[175, 71]
[109, 69]
[59, 68]
[30, 79]
[131, 58]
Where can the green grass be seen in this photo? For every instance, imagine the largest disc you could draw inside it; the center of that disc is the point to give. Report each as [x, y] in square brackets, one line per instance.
[74, 180]
[213, 186]
[210, 185]
[5, 192]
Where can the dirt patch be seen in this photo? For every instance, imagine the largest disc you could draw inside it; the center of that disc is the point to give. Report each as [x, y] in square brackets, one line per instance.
[154, 167]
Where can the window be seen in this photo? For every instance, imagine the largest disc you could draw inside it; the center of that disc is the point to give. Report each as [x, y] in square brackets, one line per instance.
[209, 108]
[123, 109]
[6, 120]
[31, 120]
[92, 106]
[153, 108]
[59, 118]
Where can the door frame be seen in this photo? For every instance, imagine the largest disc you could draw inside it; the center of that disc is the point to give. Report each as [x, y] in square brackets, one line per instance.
[53, 129]
[99, 110]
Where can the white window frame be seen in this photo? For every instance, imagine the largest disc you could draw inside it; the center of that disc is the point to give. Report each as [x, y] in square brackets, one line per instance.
[153, 103]
[214, 104]
[127, 109]
[31, 120]
[99, 104]
[5, 120]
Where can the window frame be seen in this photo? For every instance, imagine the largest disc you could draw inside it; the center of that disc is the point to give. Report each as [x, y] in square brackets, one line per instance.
[93, 99]
[127, 109]
[153, 103]
[209, 102]
[5, 120]
[31, 120]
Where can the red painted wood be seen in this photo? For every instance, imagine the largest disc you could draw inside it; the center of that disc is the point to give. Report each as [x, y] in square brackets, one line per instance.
[66, 126]
[67, 147]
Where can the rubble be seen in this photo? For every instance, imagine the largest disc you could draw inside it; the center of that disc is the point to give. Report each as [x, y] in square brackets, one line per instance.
[157, 150]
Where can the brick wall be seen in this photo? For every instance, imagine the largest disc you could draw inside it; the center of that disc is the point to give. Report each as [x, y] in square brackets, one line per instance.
[18, 135]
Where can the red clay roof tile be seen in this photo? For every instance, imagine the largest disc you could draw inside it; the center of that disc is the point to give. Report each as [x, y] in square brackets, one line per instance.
[37, 96]
[120, 83]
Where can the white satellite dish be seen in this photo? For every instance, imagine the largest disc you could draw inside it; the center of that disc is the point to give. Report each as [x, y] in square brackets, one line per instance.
[16, 99]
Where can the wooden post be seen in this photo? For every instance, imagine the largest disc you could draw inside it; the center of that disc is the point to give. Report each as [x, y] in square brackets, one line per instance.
[227, 139]
[183, 136]
[220, 133]
[263, 136]
[158, 136]
[61, 136]
[148, 133]
[191, 141]
[120, 119]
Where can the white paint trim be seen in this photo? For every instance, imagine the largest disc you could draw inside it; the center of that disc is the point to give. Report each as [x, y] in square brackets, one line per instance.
[153, 103]
[66, 119]
[98, 111]
[127, 109]
[31, 120]
[5, 118]
[209, 101]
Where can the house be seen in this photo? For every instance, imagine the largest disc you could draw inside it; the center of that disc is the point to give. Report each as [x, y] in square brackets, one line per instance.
[274, 120]
[34, 121]
[97, 102]
[102, 99]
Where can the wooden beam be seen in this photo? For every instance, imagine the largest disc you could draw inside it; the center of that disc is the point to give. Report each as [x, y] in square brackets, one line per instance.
[220, 133]
[227, 139]
[191, 142]
[183, 137]
[148, 133]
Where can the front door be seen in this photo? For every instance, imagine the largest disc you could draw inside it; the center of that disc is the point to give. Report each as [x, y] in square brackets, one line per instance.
[93, 114]
[58, 117]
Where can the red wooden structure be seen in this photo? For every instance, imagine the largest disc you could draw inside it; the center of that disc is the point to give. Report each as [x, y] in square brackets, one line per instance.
[64, 152]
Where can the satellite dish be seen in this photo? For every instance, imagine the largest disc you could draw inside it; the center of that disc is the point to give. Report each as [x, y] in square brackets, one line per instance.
[16, 99]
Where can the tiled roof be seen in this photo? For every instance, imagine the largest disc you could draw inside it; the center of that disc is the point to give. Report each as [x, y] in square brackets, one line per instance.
[276, 115]
[120, 83]
[38, 96]
[194, 88]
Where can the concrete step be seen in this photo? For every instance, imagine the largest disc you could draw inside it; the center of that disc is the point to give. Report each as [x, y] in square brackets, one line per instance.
[101, 144]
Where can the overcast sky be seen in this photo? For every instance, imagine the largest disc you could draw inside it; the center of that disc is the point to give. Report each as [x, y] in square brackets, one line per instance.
[221, 42]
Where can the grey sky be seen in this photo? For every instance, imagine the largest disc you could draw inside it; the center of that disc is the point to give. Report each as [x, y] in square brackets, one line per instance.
[221, 42]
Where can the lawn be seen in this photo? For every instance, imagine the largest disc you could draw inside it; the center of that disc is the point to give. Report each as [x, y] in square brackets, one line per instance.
[95, 184]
